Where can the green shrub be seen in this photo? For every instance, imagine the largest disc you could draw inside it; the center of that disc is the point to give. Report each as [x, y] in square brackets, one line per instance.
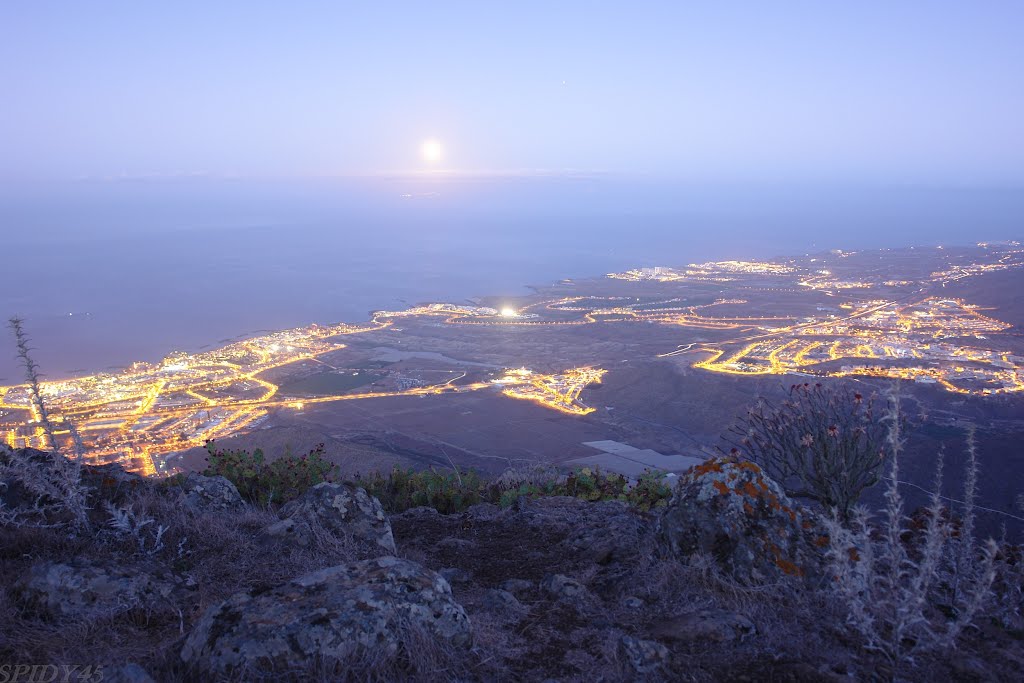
[649, 491]
[445, 492]
[262, 482]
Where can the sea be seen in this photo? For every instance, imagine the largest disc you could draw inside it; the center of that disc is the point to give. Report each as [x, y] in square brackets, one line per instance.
[107, 271]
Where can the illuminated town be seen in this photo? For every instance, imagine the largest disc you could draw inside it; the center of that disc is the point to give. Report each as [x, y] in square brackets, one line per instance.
[883, 339]
[185, 400]
[887, 314]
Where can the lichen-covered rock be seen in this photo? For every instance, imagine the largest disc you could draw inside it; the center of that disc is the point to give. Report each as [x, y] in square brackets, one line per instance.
[707, 624]
[341, 509]
[80, 589]
[215, 494]
[733, 512]
[644, 656]
[332, 614]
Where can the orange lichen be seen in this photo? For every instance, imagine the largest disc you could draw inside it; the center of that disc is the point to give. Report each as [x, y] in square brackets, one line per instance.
[821, 541]
[788, 567]
[750, 490]
[854, 555]
[747, 508]
[785, 565]
[713, 465]
[749, 466]
[720, 487]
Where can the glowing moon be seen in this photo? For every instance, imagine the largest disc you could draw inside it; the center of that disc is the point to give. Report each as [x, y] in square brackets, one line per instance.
[431, 151]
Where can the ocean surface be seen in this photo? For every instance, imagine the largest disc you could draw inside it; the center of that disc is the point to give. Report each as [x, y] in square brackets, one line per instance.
[108, 272]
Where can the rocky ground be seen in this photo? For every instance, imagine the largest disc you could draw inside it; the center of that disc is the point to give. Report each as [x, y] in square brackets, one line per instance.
[186, 582]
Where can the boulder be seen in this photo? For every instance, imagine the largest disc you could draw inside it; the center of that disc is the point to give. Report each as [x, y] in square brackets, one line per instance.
[455, 575]
[483, 511]
[291, 531]
[341, 509]
[330, 615]
[516, 586]
[455, 544]
[563, 587]
[734, 513]
[80, 589]
[632, 602]
[213, 494]
[707, 624]
[615, 539]
[500, 600]
[111, 482]
[644, 656]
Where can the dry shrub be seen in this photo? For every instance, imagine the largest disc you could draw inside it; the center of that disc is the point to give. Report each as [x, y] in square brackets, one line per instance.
[823, 443]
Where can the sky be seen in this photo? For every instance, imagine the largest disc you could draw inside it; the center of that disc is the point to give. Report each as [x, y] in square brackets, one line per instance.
[907, 93]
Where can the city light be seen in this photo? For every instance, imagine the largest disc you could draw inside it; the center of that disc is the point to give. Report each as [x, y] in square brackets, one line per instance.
[884, 326]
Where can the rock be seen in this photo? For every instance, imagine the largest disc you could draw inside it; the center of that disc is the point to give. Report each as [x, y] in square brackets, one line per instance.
[563, 587]
[455, 544]
[126, 673]
[708, 624]
[102, 483]
[483, 511]
[290, 531]
[499, 600]
[615, 539]
[455, 575]
[341, 509]
[212, 494]
[971, 668]
[516, 586]
[420, 515]
[644, 656]
[632, 602]
[734, 513]
[80, 589]
[332, 614]
[111, 482]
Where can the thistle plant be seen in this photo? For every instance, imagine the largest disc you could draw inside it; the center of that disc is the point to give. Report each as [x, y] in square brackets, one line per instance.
[892, 588]
[54, 480]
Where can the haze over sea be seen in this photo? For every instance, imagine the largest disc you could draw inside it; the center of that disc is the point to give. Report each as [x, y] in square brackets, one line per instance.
[111, 271]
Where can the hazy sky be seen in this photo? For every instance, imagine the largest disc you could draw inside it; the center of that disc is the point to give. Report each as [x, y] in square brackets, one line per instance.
[901, 92]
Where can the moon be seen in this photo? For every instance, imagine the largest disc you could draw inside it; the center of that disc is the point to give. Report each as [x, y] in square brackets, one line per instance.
[431, 151]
